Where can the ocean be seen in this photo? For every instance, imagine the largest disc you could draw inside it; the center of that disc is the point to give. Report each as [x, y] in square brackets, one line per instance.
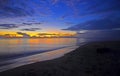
[21, 51]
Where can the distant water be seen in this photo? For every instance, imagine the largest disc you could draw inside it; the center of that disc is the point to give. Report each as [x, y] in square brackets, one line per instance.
[24, 46]
[20, 49]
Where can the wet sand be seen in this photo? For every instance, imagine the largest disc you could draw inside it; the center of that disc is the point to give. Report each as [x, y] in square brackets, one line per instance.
[92, 59]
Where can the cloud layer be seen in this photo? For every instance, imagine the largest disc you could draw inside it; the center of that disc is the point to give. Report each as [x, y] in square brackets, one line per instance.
[30, 29]
[23, 34]
[95, 14]
[100, 24]
[8, 26]
[36, 23]
[33, 7]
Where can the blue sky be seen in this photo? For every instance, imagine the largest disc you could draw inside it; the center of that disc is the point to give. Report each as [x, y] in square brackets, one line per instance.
[69, 15]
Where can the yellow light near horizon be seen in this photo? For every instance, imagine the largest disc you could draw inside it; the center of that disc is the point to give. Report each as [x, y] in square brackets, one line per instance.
[35, 34]
[7, 32]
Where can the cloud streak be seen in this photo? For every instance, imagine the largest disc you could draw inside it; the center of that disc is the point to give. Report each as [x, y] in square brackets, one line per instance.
[8, 26]
[30, 29]
[12, 26]
[36, 23]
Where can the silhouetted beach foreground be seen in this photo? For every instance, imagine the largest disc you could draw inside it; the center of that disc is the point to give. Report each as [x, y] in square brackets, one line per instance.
[92, 59]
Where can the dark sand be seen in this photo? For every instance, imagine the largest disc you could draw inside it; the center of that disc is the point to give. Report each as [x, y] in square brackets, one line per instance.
[92, 59]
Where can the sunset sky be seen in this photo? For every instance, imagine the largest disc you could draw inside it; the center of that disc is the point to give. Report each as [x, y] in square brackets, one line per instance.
[58, 16]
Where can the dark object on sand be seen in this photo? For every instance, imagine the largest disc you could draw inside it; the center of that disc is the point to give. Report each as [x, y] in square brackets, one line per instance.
[103, 50]
[29, 73]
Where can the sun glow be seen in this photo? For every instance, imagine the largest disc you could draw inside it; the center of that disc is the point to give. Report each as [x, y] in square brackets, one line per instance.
[34, 34]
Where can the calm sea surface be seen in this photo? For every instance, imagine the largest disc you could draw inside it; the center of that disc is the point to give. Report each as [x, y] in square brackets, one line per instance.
[23, 47]
[17, 46]
[14, 50]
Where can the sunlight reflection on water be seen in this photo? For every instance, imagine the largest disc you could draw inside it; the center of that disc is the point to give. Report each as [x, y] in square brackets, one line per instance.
[34, 50]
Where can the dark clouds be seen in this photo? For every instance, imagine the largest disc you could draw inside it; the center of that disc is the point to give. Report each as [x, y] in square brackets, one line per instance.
[23, 34]
[100, 24]
[36, 23]
[8, 26]
[30, 29]
[27, 23]
[12, 26]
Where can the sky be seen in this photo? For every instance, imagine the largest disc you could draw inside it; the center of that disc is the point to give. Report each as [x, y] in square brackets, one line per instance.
[58, 16]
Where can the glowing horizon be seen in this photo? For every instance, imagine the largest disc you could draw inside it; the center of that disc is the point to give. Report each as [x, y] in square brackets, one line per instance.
[36, 34]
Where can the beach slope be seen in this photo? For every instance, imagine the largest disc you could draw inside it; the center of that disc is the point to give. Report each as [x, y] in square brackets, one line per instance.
[92, 59]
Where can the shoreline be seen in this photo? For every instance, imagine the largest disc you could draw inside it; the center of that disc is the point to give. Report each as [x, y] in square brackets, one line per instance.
[39, 57]
[92, 59]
